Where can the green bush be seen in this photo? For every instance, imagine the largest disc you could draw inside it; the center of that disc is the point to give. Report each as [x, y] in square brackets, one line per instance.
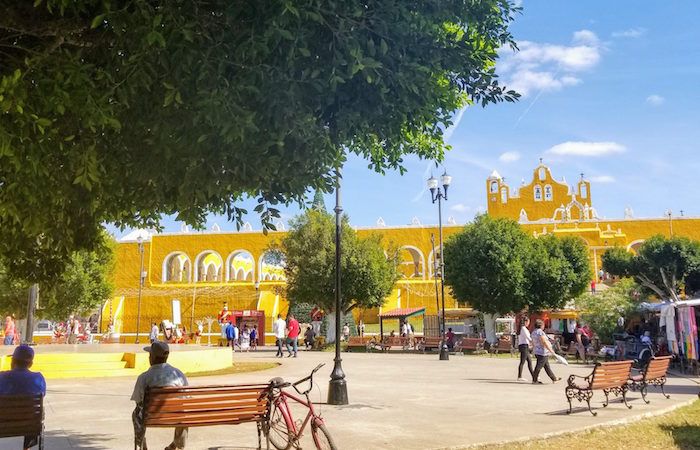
[602, 309]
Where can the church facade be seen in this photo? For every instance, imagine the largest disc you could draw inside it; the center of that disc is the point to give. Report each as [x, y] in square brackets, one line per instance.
[196, 272]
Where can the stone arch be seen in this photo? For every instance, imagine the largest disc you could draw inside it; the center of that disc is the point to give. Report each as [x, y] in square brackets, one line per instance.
[411, 262]
[239, 265]
[208, 267]
[177, 268]
[271, 265]
[634, 246]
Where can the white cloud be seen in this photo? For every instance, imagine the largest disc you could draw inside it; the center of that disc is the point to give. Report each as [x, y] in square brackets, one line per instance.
[550, 67]
[459, 207]
[629, 33]
[586, 37]
[602, 179]
[655, 100]
[508, 157]
[573, 148]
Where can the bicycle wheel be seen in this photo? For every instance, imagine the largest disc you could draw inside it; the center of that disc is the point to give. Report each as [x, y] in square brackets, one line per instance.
[277, 431]
[322, 438]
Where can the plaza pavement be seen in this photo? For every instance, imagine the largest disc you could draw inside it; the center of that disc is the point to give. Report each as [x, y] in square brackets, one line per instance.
[397, 401]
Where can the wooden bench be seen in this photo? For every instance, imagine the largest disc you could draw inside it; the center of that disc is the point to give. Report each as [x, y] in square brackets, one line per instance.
[359, 342]
[610, 377]
[654, 373]
[22, 415]
[389, 342]
[471, 344]
[429, 342]
[202, 406]
[504, 345]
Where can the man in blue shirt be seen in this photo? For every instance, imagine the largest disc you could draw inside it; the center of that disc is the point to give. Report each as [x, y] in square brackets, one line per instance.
[21, 381]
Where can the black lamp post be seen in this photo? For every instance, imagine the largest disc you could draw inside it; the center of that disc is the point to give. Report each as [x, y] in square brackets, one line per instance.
[438, 195]
[337, 387]
[139, 240]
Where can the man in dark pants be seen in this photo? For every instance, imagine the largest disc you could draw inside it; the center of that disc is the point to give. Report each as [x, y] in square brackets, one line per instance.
[543, 349]
[21, 381]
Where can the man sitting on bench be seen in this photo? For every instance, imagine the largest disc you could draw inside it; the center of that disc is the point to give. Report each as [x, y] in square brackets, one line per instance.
[21, 381]
[160, 374]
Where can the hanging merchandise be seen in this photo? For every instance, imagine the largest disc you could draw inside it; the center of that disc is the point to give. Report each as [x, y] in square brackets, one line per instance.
[668, 319]
[688, 332]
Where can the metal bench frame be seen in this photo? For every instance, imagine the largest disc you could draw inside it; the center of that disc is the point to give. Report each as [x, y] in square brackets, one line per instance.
[619, 387]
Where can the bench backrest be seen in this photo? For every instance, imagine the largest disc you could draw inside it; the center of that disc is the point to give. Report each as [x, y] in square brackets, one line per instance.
[470, 343]
[194, 406]
[21, 415]
[358, 340]
[432, 340]
[657, 367]
[611, 374]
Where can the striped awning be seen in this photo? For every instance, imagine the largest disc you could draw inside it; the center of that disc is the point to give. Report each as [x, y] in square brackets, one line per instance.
[400, 313]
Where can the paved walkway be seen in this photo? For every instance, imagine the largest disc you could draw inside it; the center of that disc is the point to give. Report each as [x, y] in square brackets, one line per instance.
[401, 401]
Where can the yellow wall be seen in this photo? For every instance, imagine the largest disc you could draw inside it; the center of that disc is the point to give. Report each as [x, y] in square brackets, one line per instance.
[417, 289]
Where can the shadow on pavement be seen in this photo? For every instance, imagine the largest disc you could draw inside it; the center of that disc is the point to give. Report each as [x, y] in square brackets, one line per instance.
[82, 441]
[686, 437]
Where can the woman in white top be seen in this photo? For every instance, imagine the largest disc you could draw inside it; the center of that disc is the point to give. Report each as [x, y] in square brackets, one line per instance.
[524, 343]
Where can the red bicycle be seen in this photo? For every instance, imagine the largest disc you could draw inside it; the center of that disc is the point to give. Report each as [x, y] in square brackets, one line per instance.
[282, 429]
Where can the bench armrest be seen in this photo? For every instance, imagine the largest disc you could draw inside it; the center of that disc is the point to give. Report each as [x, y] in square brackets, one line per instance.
[572, 378]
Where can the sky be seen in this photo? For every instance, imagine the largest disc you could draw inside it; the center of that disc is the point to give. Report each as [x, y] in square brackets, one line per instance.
[607, 90]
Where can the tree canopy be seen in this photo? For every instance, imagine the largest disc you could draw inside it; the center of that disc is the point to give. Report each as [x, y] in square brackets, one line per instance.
[367, 274]
[123, 111]
[602, 309]
[84, 285]
[662, 266]
[498, 268]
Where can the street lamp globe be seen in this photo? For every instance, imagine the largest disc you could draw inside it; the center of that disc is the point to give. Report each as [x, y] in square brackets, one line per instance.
[432, 183]
[446, 180]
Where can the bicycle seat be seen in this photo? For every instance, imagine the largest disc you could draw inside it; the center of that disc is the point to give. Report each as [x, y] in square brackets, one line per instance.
[278, 383]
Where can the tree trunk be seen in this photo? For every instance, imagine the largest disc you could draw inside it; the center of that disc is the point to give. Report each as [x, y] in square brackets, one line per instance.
[330, 327]
[490, 328]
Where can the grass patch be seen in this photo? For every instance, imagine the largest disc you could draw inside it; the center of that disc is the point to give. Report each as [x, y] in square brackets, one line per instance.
[238, 367]
[679, 429]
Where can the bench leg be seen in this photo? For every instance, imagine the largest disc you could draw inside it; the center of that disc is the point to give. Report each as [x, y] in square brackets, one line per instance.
[624, 397]
[259, 437]
[607, 400]
[663, 391]
[588, 401]
[643, 391]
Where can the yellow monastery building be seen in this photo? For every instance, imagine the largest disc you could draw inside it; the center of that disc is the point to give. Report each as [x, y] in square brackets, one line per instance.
[202, 270]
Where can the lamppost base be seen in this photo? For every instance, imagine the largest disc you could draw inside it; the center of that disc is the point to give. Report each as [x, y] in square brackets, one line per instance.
[444, 354]
[337, 392]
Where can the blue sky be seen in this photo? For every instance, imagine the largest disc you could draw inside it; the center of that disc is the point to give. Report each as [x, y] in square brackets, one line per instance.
[608, 90]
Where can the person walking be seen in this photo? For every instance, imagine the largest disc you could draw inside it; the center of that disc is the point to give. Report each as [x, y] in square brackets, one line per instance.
[254, 338]
[293, 330]
[543, 349]
[153, 336]
[245, 338]
[346, 332]
[279, 328]
[524, 344]
[9, 331]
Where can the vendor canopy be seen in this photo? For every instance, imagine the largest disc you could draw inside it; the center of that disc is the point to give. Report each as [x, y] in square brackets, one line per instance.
[402, 313]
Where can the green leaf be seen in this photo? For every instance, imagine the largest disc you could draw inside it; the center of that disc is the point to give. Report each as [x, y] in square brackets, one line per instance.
[97, 21]
[305, 52]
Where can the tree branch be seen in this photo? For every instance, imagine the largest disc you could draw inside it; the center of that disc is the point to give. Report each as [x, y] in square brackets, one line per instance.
[645, 281]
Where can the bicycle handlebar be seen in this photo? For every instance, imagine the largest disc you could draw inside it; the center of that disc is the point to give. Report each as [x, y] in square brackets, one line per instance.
[309, 378]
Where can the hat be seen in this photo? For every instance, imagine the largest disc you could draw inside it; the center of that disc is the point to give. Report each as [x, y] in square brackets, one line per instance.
[23, 353]
[158, 349]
